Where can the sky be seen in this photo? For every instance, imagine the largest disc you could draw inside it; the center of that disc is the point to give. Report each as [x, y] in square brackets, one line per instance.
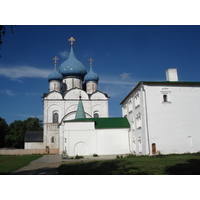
[123, 55]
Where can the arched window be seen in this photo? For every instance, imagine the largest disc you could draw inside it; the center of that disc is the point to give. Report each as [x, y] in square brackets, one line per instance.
[55, 117]
[52, 139]
[96, 114]
[165, 98]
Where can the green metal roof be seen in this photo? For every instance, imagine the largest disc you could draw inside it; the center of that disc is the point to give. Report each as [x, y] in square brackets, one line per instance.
[80, 113]
[101, 123]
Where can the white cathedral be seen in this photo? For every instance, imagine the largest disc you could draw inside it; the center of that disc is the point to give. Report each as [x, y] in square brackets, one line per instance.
[76, 114]
[158, 117]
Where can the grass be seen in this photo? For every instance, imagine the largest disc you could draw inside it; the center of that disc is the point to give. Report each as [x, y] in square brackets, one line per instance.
[185, 164]
[9, 163]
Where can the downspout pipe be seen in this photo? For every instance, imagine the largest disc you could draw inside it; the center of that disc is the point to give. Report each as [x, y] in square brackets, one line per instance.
[146, 116]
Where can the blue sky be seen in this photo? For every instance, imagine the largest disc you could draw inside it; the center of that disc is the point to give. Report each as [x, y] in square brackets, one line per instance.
[123, 56]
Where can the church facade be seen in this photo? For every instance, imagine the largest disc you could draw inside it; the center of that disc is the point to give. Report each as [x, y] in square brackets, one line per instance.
[157, 117]
[164, 116]
[74, 95]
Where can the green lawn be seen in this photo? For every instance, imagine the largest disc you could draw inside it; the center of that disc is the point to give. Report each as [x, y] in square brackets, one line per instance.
[140, 165]
[9, 163]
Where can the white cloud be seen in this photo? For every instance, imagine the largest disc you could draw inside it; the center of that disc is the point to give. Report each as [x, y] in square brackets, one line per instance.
[8, 92]
[64, 54]
[17, 72]
[125, 76]
[117, 86]
[116, 80]
[33, 94]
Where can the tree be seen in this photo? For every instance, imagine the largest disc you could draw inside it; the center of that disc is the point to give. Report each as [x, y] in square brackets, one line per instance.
[3, 32]
[15, 138]
[33, 124]
[4, 129]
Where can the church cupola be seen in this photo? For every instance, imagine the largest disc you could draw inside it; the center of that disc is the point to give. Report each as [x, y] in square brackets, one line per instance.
[55, 78]
[72, 70]
[91, 79]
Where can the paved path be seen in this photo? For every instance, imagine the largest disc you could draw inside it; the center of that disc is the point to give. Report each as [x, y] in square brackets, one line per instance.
[48, 164]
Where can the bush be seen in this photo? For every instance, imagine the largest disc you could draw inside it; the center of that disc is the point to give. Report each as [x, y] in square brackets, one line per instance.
[78, 157]
[64, 155]
[118, 156]
[95, 155]
[131, 155]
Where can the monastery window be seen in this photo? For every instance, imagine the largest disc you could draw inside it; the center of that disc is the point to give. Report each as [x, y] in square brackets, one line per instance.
[96, 114]
[132, 124]
[134, 145]
[138, 121]
[64, 86]
[130, 105]
[165, 92]
[55, 117]
[164, 98]
[93, 88]
[140, 145]
[52, 139]
[124, 110]
[137, 99]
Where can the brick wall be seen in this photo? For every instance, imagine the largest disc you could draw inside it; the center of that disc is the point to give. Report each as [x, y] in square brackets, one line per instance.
[27, 151]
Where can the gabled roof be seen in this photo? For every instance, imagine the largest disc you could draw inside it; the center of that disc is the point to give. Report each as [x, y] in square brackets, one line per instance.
[102, 123]
[33, 136]
[159, 83]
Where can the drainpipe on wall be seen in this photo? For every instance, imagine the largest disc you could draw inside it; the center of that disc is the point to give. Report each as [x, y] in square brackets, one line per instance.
[147, 126]
[129, 140]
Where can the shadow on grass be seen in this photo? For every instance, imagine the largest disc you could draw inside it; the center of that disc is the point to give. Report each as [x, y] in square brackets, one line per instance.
[99, 168]
[191, 167]
[39, 171]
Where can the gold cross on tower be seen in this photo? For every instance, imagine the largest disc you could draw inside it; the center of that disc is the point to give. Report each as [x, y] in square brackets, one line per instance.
[71, 39]
[91, 60]
[55, 60]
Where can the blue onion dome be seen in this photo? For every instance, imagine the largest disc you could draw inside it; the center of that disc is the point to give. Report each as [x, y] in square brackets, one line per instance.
[55, 75]
[72, 67]
[91, 75]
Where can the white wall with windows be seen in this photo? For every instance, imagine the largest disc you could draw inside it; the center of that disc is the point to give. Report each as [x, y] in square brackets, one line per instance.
[166, 119]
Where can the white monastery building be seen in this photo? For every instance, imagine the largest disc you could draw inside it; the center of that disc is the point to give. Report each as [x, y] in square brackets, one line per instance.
[164, 116]
[76, 114]
[158, 117]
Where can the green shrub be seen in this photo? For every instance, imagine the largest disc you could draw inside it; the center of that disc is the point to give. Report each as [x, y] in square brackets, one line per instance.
[131, 155]
[64, 155]
[78, 157]
[118, 156]
[95, 155]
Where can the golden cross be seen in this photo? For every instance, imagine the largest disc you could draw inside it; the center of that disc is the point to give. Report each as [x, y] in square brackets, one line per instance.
[71, 39]
[55, 60]
[90, 61]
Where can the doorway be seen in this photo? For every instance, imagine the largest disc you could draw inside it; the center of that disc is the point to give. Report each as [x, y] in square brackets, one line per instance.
[153, 148]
